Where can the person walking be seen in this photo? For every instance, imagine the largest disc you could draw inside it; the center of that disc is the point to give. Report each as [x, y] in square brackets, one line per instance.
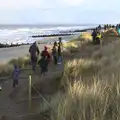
[46, 53]
[34, 52]
[43, 63]
[94, 34]
[16, 73]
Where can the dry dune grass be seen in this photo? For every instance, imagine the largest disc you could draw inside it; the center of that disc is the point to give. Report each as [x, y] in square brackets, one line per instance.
[70, 44]
[92, 87]
[75, 45]
[86, 37]
[80, 68]
[100, 101]
[5, 69]
[21, 62]
[111, 32]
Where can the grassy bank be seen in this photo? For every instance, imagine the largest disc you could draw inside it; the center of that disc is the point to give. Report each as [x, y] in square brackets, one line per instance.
[92, 87]
[7, 69]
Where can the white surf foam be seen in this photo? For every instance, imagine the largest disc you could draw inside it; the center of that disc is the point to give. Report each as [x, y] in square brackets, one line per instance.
[22, 35]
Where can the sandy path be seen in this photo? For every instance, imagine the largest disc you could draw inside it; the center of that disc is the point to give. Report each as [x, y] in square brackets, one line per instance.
[9, 97]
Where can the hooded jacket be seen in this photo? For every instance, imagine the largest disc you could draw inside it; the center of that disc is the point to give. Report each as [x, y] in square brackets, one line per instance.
[34, 49]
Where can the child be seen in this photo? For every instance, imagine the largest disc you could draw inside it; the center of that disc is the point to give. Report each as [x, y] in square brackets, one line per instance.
[16, 74]
[43, 62]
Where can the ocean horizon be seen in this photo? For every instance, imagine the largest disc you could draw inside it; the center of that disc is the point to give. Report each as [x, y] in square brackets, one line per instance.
[41, 25]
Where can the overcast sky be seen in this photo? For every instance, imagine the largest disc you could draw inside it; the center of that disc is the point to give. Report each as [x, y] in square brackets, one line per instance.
[59, 11]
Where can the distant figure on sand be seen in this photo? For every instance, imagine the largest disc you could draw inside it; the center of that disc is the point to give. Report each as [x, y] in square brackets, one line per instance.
[34, 52]
[43, 63]
[54, 53]
[60, 47]
[16, 74]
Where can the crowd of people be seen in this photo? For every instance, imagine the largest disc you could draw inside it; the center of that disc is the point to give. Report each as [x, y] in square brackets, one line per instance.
[46, 56]
[96, 34]
[43, 62]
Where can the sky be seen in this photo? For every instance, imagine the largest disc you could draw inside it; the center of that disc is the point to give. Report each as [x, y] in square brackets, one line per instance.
[59, 11]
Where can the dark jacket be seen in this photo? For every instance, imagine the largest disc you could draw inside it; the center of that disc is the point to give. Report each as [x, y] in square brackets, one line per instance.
[33, 50]
[43, 63]
[94, 34]
[59, 49]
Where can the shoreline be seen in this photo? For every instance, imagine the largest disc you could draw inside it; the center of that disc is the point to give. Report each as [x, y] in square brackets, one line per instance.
[60, 34]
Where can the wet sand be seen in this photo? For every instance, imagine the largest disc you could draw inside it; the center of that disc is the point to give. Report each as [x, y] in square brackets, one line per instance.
[7, 54]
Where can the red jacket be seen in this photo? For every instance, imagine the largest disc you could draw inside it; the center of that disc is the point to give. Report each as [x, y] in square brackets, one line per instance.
[46, 53]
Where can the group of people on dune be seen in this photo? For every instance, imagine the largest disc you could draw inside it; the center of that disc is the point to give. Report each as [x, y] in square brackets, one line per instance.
[43, 62]
[96, 34]
[45, 55]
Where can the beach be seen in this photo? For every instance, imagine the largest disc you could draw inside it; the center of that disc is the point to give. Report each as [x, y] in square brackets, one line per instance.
[6, 54]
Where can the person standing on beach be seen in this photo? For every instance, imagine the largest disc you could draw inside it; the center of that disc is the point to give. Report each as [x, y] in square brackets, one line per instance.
[16, 74]
[54, 53]
[34, 52]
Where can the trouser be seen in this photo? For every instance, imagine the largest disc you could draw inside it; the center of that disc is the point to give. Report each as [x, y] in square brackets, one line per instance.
[15, 82]
[98, 41]
[33, 62]
[94, 40]
[60, 59]
[44, 69]
[55, 60]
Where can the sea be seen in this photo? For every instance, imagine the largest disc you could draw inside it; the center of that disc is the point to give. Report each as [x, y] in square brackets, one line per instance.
[18, 34]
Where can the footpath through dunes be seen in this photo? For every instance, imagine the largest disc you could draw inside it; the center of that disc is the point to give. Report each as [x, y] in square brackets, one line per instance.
[14, 103]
